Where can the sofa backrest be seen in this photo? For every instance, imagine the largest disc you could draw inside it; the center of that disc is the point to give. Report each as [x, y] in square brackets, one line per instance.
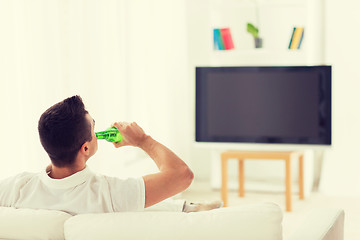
[32, 224]
[251, 222]
[256, 221]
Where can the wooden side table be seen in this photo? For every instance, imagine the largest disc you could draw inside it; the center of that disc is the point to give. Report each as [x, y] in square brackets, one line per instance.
[247, 155]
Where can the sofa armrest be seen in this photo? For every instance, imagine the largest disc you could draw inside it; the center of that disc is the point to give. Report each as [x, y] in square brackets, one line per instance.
[321, 224]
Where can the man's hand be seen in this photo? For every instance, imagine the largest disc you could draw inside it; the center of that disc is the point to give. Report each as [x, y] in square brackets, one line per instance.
[133, 134]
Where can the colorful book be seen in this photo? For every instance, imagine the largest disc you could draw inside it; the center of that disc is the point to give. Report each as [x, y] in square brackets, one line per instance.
[292, 36]
[301, 39]
[227, 39]
[296, 38]
[223, 39]
[218, 41]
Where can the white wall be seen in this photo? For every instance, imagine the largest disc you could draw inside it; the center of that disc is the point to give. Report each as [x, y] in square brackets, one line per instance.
[156, 73]
[342, 163]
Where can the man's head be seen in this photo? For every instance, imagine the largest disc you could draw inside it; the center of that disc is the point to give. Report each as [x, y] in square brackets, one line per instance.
[65, 129]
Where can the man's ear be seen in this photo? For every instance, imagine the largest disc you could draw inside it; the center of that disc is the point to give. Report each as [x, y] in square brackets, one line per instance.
[85, 149]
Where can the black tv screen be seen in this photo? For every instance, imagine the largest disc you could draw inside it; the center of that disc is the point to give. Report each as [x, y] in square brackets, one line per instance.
[280, 104]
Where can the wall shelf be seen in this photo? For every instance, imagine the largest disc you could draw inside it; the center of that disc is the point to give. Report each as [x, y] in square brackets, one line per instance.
[263, 57]
[275, 19]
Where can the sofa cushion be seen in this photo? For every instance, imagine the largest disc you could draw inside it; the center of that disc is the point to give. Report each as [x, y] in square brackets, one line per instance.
[31, 224]
[256, 221]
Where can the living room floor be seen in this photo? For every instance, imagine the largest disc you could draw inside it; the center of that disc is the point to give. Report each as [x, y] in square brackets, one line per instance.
[201, 191]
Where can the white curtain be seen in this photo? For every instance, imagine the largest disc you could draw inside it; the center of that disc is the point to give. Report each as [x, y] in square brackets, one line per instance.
[126, 59]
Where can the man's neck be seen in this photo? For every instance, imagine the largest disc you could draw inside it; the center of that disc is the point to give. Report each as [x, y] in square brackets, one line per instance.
[59, 173]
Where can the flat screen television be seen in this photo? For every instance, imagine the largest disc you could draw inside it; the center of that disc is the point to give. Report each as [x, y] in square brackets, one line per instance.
[270, 104]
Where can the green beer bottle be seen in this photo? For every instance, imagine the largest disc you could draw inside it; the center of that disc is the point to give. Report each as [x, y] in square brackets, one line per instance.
[111, 135]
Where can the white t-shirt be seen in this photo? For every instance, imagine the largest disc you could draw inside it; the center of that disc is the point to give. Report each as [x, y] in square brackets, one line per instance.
[82, 192]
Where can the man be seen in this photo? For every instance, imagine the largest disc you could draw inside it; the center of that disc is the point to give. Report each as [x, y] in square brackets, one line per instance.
[67, 134]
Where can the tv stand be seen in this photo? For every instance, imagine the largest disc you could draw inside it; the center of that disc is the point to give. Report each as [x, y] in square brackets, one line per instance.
[241, 156]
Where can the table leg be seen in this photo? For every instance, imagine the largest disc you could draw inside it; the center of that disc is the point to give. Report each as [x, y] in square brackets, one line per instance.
[224, 178]
[301, 176]
[241, 178]
[288, 183]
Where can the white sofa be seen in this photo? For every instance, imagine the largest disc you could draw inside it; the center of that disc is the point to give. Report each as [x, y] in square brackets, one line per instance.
[250, 222]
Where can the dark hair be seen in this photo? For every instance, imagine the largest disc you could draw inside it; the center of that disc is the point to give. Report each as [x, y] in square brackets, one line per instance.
[63, 129]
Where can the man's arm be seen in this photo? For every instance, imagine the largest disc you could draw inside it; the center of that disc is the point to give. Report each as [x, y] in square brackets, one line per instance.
[174, 176]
